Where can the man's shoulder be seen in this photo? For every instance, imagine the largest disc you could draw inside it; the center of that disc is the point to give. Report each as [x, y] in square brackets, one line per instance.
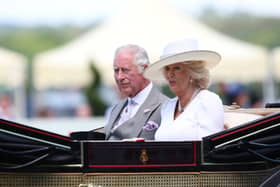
[163, 97]
[118, 104]
[157, 96]
[156, 93]
[157, 90]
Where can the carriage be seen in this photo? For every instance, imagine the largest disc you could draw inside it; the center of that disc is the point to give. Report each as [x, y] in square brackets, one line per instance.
[245, 154]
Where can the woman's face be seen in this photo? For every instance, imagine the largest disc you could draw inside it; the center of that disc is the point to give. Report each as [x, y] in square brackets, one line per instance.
[178, 77]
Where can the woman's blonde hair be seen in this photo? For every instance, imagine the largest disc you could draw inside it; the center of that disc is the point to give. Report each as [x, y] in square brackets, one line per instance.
[199, 73]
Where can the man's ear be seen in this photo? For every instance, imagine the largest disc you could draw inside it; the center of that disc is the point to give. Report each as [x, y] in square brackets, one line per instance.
[143, 67]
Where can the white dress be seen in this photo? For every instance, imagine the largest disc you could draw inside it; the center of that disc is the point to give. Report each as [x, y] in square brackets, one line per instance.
[203, 116]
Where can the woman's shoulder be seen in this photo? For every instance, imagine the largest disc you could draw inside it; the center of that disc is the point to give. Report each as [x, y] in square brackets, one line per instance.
[208, 97]
[207, 93]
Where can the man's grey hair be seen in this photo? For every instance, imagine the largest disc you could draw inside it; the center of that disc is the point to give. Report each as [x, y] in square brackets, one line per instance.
[141, 57]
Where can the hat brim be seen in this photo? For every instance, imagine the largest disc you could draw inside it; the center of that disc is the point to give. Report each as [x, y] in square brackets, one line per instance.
[154, 71]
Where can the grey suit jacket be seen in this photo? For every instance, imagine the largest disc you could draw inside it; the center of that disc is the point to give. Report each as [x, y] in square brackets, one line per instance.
[143, 124]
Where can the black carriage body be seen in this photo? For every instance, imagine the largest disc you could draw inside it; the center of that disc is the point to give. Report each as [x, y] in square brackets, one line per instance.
[251, 146]
[141, 156]
[25, 148]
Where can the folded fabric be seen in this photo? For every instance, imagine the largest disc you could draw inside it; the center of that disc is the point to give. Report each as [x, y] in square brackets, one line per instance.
[150, 125]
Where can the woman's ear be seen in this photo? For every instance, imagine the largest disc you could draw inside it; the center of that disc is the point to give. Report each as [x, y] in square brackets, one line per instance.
[190, 79]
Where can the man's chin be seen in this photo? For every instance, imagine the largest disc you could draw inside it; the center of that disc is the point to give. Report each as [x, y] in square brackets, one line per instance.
[125, 92]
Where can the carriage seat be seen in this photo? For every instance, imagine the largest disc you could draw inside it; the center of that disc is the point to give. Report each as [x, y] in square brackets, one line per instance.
[234, 115]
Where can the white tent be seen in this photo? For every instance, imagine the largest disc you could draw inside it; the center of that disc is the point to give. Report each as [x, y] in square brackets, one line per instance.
[276, 63]
[12, 76]
[12, 68]
[150, 24]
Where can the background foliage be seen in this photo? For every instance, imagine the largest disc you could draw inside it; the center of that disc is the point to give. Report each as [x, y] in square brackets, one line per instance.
[257, 30]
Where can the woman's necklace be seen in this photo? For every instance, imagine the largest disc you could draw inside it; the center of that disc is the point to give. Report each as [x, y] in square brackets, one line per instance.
[180, 108]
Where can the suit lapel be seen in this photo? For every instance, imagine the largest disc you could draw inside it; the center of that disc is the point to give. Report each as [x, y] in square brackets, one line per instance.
[145, 111]
[133, 127]
[116, 112]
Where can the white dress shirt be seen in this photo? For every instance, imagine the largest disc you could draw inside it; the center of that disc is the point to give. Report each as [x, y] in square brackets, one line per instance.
[134, 104]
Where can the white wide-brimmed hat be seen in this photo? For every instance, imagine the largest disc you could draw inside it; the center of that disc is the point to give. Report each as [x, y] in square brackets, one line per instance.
[185, 50]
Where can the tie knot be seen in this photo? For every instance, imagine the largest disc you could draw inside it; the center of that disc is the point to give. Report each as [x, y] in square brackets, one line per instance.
[131, 102]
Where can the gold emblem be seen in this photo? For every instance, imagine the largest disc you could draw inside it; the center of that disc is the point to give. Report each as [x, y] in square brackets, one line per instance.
[144, 158]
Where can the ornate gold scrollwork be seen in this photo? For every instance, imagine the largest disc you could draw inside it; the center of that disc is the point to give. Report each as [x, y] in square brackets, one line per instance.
[144, 158]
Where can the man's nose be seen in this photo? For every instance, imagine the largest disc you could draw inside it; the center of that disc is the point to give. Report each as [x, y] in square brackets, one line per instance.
[120, 75]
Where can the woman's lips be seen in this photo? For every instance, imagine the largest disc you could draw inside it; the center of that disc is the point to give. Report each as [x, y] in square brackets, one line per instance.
[172, 82]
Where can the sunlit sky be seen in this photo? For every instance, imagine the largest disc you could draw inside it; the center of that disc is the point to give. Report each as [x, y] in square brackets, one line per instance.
[86, 11]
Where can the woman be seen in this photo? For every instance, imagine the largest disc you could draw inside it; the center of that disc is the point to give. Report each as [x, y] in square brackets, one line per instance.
[195, 112]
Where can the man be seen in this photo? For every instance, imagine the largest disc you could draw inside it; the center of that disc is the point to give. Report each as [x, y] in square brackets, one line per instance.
[138, 115]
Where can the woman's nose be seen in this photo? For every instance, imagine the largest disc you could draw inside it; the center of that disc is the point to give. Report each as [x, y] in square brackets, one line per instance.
[170, 73]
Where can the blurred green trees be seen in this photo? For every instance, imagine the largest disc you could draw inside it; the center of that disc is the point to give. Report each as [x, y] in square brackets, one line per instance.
[92, 92]
[262, 31]
[32, 40]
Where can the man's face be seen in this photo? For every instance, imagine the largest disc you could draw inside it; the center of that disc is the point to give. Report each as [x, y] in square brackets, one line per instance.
[127, 77]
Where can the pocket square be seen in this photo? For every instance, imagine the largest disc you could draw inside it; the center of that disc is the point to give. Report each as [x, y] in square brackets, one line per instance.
[150, 125]
[147, 110]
